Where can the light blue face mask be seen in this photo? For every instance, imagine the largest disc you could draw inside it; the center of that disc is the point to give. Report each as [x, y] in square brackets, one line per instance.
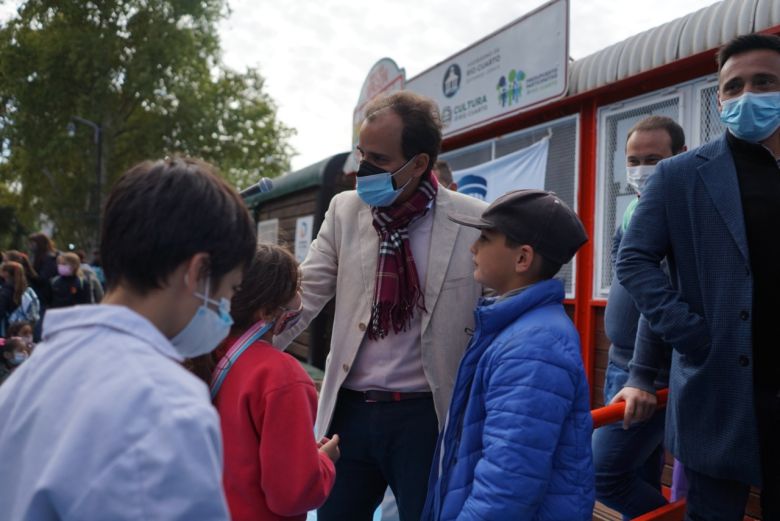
[18, 358]
[375, 186]
[206, 329]
[752, 117]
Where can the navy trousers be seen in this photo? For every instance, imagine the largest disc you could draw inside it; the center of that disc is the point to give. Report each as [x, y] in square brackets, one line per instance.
[713, 499]
[382, 443]
[628, 463]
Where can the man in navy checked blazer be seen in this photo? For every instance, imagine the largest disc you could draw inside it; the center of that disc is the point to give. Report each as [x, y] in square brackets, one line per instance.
[714, 213]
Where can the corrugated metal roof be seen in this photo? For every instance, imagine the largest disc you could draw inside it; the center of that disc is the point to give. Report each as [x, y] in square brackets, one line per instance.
[705, 29]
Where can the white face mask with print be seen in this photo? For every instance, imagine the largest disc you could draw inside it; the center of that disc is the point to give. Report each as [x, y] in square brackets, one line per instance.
[206, 329]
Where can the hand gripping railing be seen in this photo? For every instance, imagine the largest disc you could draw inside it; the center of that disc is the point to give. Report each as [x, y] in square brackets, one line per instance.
[613, 413]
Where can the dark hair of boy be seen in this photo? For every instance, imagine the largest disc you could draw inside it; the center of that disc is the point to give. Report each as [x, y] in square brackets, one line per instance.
[270, 282]
[161, 213]
[15, 272]
[675, 131]
[543, 267]
[745, 43]
[422, 124]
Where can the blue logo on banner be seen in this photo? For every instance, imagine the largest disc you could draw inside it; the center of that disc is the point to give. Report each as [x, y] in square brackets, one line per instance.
[451, 82]
[473, 185]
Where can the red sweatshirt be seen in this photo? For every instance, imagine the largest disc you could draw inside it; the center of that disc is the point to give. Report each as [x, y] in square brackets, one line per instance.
[273, 470]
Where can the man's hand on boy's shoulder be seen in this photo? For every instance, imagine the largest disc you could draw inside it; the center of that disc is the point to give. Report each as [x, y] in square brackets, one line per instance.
[640, 405]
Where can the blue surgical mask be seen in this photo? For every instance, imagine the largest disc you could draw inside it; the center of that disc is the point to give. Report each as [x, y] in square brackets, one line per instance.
[375, 186]
[18, 358]
[637, 176]
[206, 329]
[752, 117]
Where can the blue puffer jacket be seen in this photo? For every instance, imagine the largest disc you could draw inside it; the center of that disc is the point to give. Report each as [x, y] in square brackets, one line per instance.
[517, 442]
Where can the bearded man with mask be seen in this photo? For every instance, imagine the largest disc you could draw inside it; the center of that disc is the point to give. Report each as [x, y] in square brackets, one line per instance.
[627, 458]
[103, 421]
[713, 212]
[401, 273]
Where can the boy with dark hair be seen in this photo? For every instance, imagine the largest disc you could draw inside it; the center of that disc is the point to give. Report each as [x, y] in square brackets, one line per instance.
[111, 426]
[517, 441]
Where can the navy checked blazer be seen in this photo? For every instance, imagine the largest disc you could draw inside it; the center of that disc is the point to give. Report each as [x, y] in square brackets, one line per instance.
[691, 213]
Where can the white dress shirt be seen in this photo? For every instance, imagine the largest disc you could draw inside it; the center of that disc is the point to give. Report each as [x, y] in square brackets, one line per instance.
[103, 422]
[394, 363]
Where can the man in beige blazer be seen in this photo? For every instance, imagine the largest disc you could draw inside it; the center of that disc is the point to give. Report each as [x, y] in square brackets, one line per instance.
[401, 273]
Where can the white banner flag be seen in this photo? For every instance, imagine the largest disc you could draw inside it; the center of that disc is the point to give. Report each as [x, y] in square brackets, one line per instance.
[522, 169]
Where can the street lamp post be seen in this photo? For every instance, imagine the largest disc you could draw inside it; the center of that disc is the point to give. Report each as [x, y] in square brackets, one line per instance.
[98, 139]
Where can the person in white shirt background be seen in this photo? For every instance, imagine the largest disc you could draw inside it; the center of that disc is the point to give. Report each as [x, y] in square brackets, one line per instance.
[103, 421]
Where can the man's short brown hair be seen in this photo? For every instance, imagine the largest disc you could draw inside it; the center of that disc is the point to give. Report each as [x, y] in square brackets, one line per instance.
[421, 132]
[675, 131]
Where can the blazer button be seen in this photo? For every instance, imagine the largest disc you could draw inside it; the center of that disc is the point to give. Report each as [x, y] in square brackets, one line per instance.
[744, 315]
[362, 326]
[345, 367]
[744, 361]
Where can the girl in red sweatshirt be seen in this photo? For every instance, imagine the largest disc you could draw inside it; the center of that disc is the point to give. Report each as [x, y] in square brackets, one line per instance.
[274, 468]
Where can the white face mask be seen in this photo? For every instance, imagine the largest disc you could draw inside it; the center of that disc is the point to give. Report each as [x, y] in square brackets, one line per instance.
[206, 329]
[637, 176]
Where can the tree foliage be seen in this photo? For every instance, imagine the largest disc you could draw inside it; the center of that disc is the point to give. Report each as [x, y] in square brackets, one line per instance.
[149, 72]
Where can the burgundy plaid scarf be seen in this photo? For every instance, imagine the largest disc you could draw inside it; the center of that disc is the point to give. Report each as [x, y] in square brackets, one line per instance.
[397, 290]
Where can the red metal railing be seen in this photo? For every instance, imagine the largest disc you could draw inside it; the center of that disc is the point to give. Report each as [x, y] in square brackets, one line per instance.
[613, 413]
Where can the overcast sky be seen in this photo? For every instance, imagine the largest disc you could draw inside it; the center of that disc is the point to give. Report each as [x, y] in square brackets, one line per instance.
[315, 54]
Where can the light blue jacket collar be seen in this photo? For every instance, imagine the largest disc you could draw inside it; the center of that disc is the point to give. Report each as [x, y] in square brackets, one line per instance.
[119, 318]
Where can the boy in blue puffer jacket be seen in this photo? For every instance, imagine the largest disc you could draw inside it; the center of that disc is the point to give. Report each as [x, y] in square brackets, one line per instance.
[517, 441]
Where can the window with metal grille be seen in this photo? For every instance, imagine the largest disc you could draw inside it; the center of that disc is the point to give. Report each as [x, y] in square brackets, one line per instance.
[561, 173]
[469, 156]
[710, 125]
[694, 105]
[612, 190]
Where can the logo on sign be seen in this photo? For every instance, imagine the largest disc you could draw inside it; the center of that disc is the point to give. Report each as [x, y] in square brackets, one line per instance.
[446, 116]
[473, 185]
[451, 82]
[510, 87]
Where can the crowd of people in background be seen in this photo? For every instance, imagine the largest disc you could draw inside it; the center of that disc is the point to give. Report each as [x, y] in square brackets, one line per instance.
[31, 284]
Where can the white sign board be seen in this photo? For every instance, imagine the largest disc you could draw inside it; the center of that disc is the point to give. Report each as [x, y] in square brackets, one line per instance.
[520, 66]
[303, 236]
[384, 78]
[268, 231]
[523, 169]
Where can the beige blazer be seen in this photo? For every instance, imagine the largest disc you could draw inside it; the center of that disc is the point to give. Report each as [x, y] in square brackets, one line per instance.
[342, 262]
